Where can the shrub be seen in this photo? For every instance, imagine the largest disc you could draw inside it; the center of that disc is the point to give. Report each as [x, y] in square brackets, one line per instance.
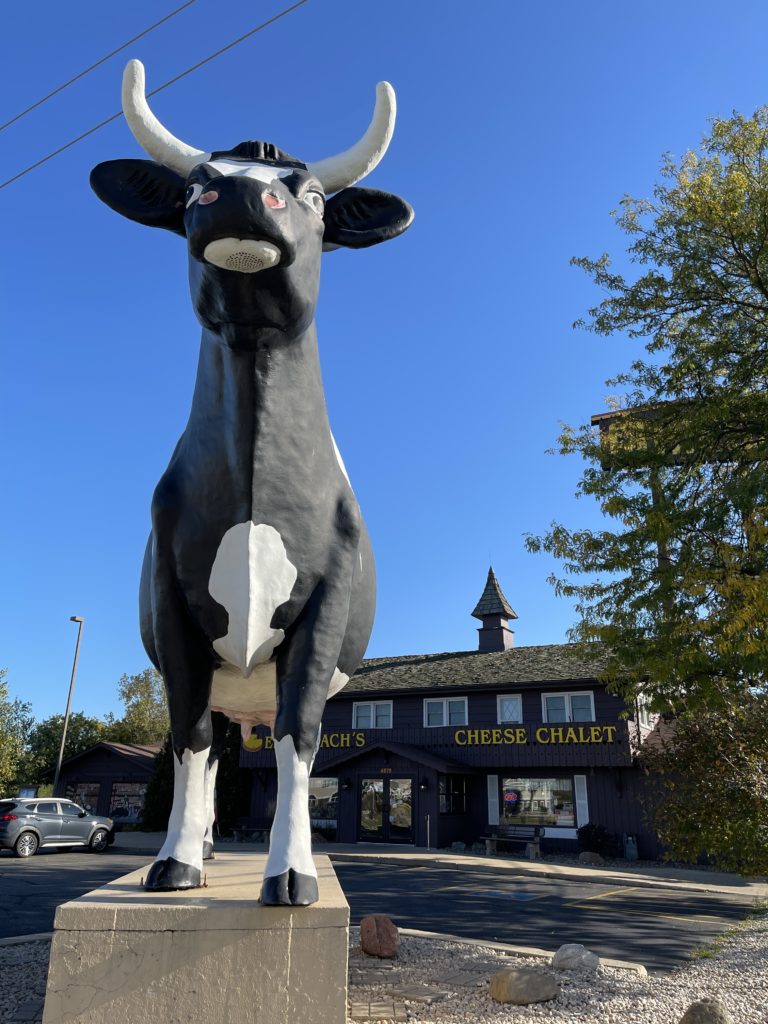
[597, 839]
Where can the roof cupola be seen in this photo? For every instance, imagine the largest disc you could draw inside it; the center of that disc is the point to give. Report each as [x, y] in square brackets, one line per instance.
[494, 611]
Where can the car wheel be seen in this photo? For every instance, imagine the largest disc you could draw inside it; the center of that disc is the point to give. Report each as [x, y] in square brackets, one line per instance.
[99, 840]
[26, 845]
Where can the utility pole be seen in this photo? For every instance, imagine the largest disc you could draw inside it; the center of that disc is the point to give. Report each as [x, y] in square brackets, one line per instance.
[79, 620]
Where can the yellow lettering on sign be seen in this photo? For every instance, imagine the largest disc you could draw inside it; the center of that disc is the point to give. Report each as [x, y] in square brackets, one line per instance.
[556, 735]
[570, 735]
[359, 739]
[472, 736]
[521, 735]
[324, 741]
[611, 731]
[496, 736]
[542, 735]
[333, 739]
[509, 735]
[485, 736]
[269, 743]
[595, 734]
[460, 737]
[345, 739]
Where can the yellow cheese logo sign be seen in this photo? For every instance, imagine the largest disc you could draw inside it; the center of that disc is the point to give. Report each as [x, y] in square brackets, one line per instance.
[543, 734]
[334, 740]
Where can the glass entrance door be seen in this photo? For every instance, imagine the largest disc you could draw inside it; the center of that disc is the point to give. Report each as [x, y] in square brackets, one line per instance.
[386, 810]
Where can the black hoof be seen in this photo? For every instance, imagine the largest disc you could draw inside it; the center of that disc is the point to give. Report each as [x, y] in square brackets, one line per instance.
[169, 874]
[289, 890]
[208, 850]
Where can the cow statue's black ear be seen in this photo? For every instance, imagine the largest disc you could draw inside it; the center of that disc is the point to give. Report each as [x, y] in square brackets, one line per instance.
[143, 191]
[358, 217]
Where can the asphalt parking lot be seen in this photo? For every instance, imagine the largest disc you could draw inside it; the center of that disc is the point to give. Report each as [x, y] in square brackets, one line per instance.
[657, 927]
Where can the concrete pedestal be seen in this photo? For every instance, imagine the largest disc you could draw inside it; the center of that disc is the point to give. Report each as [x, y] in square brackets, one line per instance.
[213, 955]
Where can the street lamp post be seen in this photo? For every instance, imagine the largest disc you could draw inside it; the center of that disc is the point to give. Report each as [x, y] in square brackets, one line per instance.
[79, 620]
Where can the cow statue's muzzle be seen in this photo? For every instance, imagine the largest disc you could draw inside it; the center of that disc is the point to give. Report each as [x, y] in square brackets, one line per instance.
[242, 225]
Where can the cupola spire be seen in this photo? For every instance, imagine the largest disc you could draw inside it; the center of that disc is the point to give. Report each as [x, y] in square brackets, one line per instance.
[494, 611]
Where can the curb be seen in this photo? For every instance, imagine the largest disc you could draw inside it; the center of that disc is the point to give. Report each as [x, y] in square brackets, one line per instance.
[18, 940]
[505, 947]
[517, 869]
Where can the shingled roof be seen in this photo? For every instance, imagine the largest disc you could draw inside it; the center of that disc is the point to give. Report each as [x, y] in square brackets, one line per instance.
[492, 600]
[549, 663]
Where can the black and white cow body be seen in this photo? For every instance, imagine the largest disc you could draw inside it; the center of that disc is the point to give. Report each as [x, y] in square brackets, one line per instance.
[258, 585]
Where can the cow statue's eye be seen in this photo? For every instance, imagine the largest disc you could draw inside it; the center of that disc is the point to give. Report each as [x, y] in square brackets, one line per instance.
[193, 193]
[317, 201]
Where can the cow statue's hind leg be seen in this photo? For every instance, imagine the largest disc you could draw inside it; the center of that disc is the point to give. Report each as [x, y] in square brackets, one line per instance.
[220, 725]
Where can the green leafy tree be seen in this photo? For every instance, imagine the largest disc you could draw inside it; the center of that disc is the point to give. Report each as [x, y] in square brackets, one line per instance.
[145, 719]
[712, 774]
[676, 585]
[44, 739]
[15, 724]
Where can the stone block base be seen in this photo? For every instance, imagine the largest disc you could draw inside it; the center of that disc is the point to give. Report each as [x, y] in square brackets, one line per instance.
[212, 955]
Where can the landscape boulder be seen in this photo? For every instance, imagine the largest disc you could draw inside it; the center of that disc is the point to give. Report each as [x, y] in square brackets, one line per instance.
[521, 986]
[592, 858]
[574, 957]
[379, 936]
[706, 1011]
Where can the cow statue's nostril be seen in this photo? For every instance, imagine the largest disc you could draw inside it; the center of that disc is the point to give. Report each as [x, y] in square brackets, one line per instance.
[273, 202]
[207, 197]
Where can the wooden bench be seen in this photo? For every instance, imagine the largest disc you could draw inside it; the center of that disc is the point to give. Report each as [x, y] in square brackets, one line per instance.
[529, 835]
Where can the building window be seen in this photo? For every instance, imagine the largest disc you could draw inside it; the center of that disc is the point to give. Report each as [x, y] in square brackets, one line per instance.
[450, 711]
[324, 806]
[568, 707]
[127, 800]
[509, 708]
[84, 793]
[374, 714]
[546, 802]
[644, 715]
[452, 790]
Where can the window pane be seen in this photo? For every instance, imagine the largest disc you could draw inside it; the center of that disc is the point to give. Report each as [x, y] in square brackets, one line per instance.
[435, 712]
[383, 716]
[323, 806]
[555, 709]
[581, 707]
[362, 716]
[457, 712]
[546, 802]
[47, 808]
[509, 709]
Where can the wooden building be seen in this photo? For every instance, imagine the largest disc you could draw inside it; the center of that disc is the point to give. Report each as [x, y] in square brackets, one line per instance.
[436, 748]
[110, 779]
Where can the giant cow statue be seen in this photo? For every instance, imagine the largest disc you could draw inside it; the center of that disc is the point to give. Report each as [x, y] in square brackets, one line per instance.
[258, 586]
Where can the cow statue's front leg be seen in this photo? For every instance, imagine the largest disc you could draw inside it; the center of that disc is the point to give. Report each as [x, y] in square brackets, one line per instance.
[187, 668]
[305, 665]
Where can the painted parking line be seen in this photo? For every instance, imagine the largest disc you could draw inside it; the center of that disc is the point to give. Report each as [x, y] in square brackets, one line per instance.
[650, 912]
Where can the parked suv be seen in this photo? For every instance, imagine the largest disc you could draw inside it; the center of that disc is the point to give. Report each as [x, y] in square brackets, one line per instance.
[26, 824]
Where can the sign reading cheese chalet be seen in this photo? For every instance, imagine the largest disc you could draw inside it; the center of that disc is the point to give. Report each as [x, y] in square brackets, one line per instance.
[542, 734]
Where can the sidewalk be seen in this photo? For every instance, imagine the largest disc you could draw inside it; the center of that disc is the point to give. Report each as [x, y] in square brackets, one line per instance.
[657, 877]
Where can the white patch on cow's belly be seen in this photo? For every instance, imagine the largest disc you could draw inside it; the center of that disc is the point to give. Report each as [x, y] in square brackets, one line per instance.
[339, 459]
[251, 577]
[338, 681]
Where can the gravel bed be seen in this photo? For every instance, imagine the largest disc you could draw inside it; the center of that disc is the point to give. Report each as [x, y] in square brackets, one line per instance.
[23, 971]
[737, 974]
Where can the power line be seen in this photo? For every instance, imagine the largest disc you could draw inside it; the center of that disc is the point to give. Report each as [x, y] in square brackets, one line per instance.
[154, 92]
[91, 67]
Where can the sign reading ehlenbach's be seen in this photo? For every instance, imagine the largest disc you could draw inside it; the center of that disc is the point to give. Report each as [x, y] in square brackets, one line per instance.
[542, 734]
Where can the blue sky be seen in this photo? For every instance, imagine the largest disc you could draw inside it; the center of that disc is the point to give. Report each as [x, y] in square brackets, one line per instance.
[448, 354]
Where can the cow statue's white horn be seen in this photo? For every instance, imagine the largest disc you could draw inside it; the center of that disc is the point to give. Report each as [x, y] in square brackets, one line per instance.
[344, 169]
[153, 138]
